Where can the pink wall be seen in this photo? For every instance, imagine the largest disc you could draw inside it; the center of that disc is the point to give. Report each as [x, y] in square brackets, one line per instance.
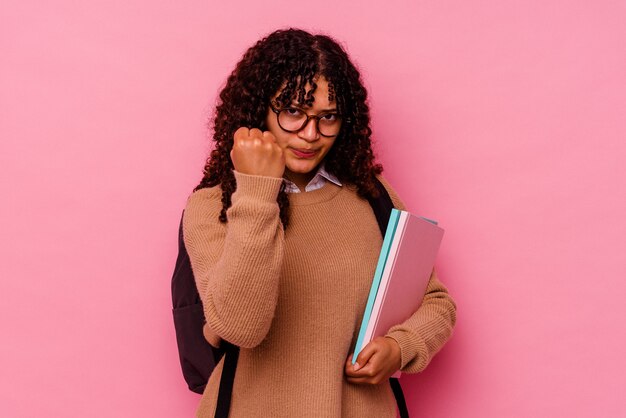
[504, 120]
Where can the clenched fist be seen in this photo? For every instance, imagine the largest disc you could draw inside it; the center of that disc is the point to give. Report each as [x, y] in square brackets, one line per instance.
[257, 153]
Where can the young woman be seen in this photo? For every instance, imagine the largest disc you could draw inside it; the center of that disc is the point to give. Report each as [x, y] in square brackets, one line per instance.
[284, 244]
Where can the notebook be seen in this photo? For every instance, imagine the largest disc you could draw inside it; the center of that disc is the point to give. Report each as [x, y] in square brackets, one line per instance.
[404, 267]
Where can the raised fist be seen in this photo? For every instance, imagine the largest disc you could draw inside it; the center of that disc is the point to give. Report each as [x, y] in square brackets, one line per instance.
[257, 153]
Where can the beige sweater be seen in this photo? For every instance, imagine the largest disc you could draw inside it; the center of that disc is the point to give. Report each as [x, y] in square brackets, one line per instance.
[293, 301]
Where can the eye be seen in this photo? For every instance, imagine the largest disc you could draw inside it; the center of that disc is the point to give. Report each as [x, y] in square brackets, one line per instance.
[292, 111]
[330, 117]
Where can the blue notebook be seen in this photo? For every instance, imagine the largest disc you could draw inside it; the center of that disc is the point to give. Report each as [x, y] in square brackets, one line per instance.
[380, 267]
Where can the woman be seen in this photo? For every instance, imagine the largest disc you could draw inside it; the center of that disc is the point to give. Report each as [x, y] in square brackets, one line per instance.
[283, 243]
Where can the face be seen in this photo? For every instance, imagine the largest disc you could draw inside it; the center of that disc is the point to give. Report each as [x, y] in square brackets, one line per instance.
[304, 150]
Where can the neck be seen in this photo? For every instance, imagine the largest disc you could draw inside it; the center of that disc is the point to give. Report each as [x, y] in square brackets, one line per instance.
[300, 179]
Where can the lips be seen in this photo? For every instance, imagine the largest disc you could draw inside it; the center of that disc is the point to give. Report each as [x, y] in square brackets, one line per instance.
[303, 153]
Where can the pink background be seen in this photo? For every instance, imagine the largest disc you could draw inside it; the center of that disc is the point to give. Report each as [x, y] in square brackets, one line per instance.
[504, 120]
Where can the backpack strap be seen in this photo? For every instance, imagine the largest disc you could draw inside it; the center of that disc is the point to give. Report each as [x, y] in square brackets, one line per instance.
[381, 206]
[224, 396]
[399, 395]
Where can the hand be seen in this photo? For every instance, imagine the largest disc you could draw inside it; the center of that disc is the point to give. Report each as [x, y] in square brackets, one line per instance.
[257, 153]
[377, 362]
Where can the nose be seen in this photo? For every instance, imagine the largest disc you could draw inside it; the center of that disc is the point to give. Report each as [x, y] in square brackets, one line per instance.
[309, 132]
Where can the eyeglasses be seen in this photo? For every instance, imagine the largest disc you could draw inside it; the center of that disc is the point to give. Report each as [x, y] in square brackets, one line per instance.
[292, 119]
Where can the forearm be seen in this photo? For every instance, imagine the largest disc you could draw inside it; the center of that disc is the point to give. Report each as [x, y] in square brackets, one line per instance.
[422, 335]
[237, 265]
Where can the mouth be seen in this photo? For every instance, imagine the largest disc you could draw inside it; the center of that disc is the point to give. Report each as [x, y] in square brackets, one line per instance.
[301, 153]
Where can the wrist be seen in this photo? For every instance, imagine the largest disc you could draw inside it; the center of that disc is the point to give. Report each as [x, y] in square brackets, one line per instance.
[396, 352]
[264, 188]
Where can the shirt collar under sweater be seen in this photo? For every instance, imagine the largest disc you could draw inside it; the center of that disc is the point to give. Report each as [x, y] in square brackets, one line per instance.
[317, 182]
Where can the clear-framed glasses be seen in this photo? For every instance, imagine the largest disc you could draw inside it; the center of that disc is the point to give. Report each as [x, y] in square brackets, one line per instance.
[293, 119]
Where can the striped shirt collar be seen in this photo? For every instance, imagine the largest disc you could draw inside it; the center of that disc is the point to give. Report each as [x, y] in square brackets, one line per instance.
[317, 182]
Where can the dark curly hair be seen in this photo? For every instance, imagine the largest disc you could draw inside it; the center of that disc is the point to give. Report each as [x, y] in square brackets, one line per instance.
[292, 58]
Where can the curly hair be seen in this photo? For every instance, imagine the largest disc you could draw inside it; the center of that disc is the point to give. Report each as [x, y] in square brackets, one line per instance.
[290, 59]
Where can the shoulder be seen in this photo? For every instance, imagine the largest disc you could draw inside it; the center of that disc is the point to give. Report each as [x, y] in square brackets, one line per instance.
[203, 206]
[204, 198]
[397, 202]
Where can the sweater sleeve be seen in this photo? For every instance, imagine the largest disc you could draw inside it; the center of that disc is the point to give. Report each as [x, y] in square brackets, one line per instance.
[236, 265]
[422, 335]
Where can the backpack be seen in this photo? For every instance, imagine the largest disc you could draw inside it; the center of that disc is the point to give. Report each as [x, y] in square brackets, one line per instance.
[197, 357]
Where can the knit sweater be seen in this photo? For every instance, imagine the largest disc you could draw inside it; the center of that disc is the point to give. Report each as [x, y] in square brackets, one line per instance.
[293, 300]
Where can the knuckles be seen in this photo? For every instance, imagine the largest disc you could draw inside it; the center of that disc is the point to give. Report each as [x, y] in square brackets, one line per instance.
[256, 152]
[255, 132]
[254, 138]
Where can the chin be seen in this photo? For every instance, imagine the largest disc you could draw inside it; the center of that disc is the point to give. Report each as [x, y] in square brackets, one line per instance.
[302, 168]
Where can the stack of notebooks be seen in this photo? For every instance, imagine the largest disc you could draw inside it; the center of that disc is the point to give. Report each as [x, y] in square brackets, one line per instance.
[404, 267]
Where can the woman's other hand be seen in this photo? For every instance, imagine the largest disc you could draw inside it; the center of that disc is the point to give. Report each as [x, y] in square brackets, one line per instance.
[376, 363]
[257, 153]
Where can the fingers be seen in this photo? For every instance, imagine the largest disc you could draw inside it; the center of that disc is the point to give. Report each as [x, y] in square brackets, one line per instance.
[378, 360]
[267, 135]
[256, 133]
[366, 366]
[362, 359]
[367, 374]
[242, 132]
[366, 353]
[243, 135]
[257, 153]
[364, 356]
[350, 368]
